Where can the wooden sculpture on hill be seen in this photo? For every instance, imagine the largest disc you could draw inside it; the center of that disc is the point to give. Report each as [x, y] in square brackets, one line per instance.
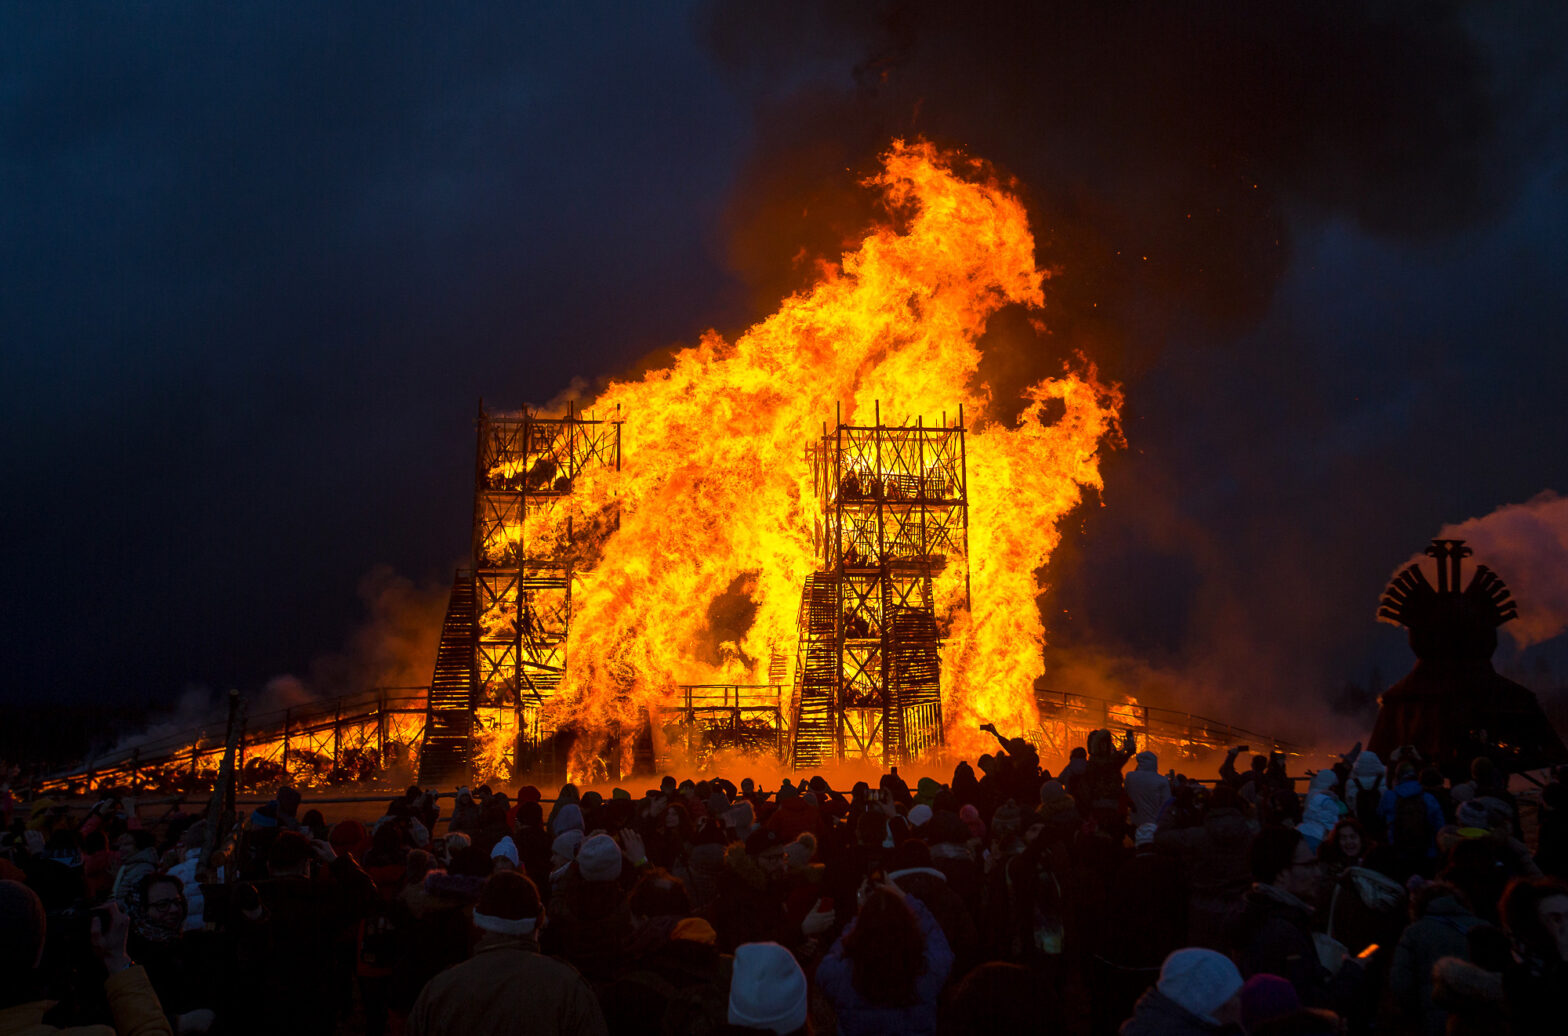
[1453, 706]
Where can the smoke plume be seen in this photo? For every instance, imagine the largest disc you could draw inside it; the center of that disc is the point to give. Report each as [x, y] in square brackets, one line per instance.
[1527, 545]
[1162, 146]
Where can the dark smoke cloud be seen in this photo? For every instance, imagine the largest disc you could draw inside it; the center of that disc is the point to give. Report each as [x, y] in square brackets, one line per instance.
[1162, 145]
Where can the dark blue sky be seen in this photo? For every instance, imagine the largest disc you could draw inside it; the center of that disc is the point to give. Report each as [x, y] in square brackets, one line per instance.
[257, 266]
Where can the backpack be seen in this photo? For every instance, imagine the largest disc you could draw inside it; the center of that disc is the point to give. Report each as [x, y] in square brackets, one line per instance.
[1411, 831]
[1365, 807]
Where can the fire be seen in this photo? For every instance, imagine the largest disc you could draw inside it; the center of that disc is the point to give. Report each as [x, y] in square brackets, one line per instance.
[715, 494]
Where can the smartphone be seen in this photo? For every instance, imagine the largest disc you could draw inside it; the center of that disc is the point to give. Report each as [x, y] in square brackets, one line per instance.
[1369, 951]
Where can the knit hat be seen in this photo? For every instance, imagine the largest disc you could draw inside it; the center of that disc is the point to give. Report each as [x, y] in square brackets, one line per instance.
[926, 790]
[1050, 791]
[971, 818]
[528, 793]
[1473, 814]
[767, 988]
[599, 859]
[694, 929]
[508, 904]
[801, 850]
[919, 815]
[22, 921]
[1267, 998]
[565, 845]
[505, 849]
[350, 836]
[1199, 980]
[568, 818]
[1008, 817]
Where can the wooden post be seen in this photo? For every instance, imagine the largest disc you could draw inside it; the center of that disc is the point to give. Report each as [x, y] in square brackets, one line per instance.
[223, 790]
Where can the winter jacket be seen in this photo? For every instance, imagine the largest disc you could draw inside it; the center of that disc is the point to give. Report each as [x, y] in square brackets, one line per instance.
[1472, 997]
[857, 1016]
[132, 1002]
[140, 864]
[195, 901]
[507, 986]
[1147, 789]
[1214, 855]
[1274, 937]
[679, 988]
[1438, 933]
[1389, 809]
[1156, 1014]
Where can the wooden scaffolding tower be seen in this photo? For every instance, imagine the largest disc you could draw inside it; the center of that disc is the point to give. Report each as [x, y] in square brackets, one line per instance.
[894, 518]
[517, 599]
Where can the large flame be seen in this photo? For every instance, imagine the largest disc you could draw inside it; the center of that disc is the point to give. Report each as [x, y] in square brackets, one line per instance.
[715, 495]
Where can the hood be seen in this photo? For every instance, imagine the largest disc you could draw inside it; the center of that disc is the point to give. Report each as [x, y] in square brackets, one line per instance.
[1156, 1013]
[1322, 809]
[1148, 762]
[1409, 788]
[1323, 780]
[1227, 826]
[1368, 764]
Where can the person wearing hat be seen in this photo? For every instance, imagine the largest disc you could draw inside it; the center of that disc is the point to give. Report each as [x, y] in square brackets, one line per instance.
[503, 856]
[594, 920]
[767, 990]
[1197, 993]
[508, 985]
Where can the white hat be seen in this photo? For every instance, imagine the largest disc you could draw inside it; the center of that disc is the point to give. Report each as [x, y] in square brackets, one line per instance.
[506, 849]
[919, 815]
[1199, 980]
[565, 845]
[767, 988]
[599, 859]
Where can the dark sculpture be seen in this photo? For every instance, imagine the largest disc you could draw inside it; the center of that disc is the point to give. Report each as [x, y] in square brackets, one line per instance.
[1453, 706]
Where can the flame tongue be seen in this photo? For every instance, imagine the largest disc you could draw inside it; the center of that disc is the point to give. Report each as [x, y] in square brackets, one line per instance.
[714, 492]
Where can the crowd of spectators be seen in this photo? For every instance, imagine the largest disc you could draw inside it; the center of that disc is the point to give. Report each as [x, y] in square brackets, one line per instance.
[1368, 897]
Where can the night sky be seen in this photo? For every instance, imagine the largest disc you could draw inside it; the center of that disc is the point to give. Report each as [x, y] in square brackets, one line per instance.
[258, 264]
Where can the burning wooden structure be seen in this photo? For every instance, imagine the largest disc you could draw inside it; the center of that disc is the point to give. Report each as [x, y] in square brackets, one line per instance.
[503, 643]
[893, 504]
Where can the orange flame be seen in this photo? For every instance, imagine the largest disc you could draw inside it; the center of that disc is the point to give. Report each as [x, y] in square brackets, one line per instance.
[715, 492]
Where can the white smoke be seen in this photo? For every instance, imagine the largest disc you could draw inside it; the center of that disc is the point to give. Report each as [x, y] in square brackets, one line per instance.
[1527, 545]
